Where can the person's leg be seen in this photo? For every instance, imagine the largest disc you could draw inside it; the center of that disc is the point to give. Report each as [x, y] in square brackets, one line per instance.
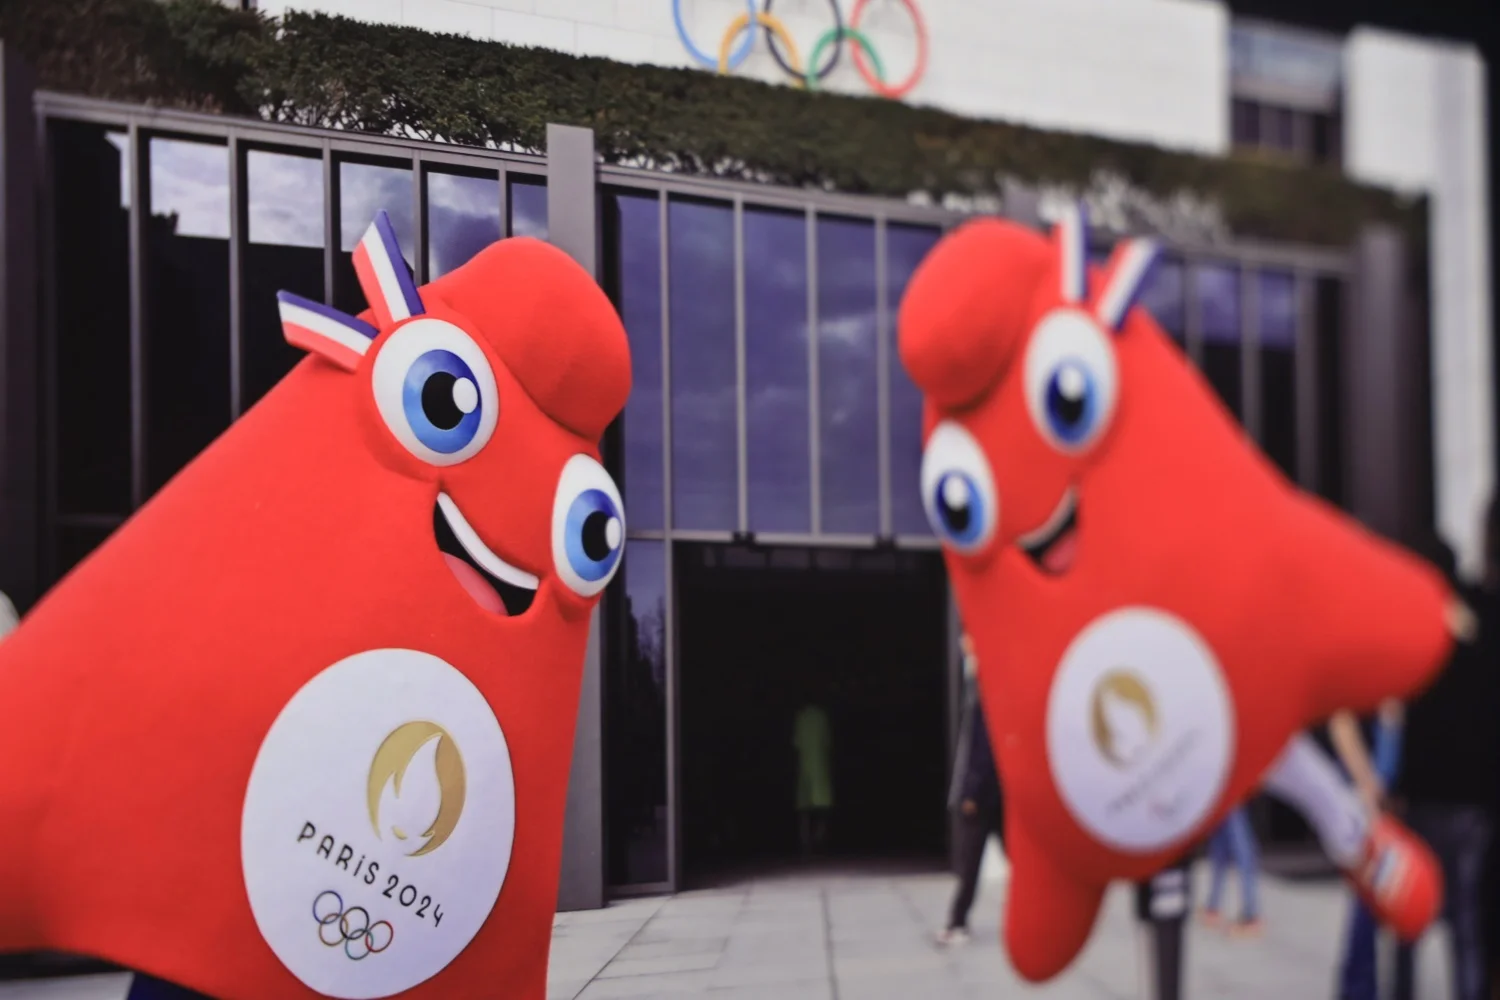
[1462, 847]
[971, 841]
[1246, 859]
[1218, 866]
[1406, 972]
[1357, 974]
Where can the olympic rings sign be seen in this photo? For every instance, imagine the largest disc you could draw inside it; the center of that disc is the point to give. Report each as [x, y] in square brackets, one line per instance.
[739, 40]
[334, 920]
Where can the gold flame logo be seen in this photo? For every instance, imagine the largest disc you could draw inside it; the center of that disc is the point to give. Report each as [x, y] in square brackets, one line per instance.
[1123, 717]
[417, 783]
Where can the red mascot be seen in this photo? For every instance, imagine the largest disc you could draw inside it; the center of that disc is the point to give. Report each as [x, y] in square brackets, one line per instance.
[1157, 612]
[303, 726]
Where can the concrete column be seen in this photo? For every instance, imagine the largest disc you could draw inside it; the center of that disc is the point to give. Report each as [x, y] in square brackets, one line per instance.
[20, 250]
[572, 225]
[1381, 396]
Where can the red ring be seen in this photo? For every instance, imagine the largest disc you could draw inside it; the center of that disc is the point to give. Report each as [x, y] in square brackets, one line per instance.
[899, 90]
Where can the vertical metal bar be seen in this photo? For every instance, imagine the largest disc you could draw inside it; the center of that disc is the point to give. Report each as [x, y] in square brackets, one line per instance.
[238, 218]
[742, 436]
[883, 375]
[505, 203]
[419, 218]
[1305, 375]
[46, 227]
[814, 418]
[332, 239]
[139, 152]
[669, 625]
[1192, 309]
[1250, 350]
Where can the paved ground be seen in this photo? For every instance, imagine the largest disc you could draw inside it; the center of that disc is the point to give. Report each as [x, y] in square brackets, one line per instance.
[865, 936]
[856, 936]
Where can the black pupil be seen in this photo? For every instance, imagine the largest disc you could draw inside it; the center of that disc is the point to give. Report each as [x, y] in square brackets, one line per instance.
[596, 536]
[437, 401]
[1066, 397]
[956, 517]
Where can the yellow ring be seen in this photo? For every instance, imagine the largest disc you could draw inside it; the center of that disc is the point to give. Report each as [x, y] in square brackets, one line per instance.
[772, 24]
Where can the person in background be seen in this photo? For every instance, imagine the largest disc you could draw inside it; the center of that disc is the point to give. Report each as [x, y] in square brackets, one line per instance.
[1357, 973]
[813, 738]
[1447, 784]
[975, 794]
[1234, 843]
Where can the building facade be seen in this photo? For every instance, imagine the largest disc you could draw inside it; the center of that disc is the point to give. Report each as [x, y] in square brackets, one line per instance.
[771, 446]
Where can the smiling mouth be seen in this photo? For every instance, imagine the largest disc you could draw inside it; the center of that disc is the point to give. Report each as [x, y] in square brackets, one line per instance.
[1054, 546]
[496, 585]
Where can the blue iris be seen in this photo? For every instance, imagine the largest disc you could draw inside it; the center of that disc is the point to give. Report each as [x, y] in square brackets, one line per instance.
[960, 508]
[593, 535]
[441, 400]
[1072, 402]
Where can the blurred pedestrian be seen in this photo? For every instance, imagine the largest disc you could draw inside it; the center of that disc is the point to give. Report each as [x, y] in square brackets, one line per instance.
[1447, 785]
[1233, 845]
[813, 738]
[1358, 979]
[975, 794]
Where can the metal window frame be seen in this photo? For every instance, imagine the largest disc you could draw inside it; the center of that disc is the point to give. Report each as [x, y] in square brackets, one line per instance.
[333, 148]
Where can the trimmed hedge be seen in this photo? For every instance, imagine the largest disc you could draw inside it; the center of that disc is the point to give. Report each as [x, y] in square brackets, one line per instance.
[313, 69]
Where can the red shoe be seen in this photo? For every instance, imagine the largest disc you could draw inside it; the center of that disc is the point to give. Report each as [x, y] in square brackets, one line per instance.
[1399, 879]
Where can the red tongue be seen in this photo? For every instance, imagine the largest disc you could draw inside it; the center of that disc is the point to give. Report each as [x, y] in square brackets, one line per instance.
[1059, 555]
[478, 587]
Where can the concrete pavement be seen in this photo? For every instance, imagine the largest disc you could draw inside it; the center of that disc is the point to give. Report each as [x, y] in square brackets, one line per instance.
[852, 936]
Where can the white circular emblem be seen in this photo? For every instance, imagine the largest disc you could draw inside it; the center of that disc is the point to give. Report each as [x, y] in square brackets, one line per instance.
[378, 824]
[1140, 729]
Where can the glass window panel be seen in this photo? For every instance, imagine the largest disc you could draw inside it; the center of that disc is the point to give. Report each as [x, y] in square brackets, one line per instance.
[1328, 309]
[528, 207]
[705, 437]
[91, 395]
[463, 217]
[848, 374]
[1245, 123]
[1163, 296]
[1218, 288]
[633, 272]
[187, 300]
[636, 707]
[364, 189]
[776, 382]
[1283, 129]
[905, 246]
[284, 252]
[1277, 305]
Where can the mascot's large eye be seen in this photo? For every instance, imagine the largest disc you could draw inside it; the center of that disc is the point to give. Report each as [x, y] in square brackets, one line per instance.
[1070, 380]
[436, 391]
[588, 526]
[958, 488]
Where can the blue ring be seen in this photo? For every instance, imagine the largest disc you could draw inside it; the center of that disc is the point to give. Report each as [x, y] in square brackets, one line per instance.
[703, 58]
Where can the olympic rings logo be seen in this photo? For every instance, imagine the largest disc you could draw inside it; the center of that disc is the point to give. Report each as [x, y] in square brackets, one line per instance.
[333, 919]
[743, 30]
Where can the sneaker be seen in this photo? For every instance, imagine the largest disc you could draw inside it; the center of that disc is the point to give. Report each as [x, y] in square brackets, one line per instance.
[1246, 929]
[1211, 919]
[1398, 878]
[952, 937]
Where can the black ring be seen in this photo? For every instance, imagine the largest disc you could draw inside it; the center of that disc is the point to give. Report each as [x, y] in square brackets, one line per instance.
[838, 46]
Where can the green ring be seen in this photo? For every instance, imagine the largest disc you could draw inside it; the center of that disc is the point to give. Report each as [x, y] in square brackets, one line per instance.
[833, 35]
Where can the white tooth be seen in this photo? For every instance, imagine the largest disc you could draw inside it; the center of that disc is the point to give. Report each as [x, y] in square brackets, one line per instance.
[1055, 521]
[479, 552]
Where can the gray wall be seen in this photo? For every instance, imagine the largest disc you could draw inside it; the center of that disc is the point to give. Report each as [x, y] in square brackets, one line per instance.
[572, 224]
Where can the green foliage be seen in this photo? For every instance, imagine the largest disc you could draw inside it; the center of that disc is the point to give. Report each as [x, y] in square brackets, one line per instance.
[326, 71]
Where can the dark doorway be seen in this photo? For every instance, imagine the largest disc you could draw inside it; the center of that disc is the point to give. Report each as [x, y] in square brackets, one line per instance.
[763, 632]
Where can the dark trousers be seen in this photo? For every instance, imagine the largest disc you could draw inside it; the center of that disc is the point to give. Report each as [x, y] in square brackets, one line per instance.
[1460, 837]
[973, 833]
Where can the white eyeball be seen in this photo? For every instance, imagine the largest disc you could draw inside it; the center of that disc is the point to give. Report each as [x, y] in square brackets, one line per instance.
[1071, 380]
[436, 391]
[588, 527]
[958, 488]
